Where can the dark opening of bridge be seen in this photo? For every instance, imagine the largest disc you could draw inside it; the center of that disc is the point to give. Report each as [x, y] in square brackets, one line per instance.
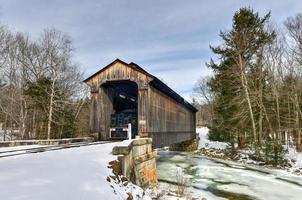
[123, 96]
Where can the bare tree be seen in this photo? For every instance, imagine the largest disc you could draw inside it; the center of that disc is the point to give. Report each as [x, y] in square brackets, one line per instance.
[41, 91]
[204, 97]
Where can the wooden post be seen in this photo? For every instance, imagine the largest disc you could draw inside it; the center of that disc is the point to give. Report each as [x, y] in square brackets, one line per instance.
[142, 111]
[129, 132]
[106, 109]
[94, 116]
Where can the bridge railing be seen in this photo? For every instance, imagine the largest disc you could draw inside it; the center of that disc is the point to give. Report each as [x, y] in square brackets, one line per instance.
[45, 142]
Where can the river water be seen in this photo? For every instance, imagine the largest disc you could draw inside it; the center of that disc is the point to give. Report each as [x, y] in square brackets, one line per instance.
[217, 179]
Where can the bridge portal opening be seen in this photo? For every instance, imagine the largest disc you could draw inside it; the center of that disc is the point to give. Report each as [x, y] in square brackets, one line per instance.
[123, 96]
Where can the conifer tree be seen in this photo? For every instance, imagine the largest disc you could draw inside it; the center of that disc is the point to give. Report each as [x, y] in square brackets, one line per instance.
[237, 77]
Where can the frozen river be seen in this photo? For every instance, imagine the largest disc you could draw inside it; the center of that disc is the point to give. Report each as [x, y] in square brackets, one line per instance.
[215, 179]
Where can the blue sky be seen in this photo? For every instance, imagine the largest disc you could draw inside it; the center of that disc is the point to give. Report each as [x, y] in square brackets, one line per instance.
[168, 38]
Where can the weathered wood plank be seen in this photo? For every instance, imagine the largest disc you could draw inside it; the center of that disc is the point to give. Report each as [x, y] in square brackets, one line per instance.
[159, 115]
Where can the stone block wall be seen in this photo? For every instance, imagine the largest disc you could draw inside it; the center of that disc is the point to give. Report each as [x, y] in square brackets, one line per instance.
[188, 146]
[138, 161]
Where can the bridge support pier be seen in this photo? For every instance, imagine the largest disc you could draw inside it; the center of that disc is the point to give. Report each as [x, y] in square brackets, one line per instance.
[137, 162]
[188, 146]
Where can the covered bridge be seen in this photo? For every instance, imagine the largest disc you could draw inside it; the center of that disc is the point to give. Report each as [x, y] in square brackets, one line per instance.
[124, 93]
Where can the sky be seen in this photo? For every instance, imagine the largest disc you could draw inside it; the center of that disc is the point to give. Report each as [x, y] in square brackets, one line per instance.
[168, 38]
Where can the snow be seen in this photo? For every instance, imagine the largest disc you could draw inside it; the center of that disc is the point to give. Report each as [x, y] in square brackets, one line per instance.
[75, 173]
[204, 142]
[127, 142]
[294, 158]
[81, 173]
[8, 135]
[294, 155]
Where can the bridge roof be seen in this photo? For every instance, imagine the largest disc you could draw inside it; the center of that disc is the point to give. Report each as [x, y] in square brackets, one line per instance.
[156, 83]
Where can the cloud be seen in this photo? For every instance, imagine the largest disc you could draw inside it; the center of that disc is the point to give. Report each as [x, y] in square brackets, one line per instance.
[170, 38]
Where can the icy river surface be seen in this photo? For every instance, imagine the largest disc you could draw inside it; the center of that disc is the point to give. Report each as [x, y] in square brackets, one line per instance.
[216, 179]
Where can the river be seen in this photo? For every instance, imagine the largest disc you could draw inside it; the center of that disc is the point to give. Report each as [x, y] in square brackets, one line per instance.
[218, 179]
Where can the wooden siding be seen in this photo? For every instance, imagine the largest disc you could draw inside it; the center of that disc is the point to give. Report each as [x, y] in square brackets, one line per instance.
[102, 101]
[166, 115]
[159, 115]
[119, 71]
[168, 121]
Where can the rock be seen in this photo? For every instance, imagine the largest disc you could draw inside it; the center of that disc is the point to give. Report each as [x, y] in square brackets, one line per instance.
[189, 146]
[113, 177]
[123, 179]
[115, 166]
[130, 197]
[124, 150]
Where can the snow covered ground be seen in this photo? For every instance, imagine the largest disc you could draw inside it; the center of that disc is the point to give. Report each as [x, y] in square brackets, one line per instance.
[204, 142]
[75, 173]
[81, 173]
[293, 157]
[7, 136]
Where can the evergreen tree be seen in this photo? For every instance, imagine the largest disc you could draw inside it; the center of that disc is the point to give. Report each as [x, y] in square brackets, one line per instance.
[239, 78]
[64, 122]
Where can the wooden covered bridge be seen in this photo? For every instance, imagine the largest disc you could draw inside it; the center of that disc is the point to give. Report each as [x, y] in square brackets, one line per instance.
[123, 93]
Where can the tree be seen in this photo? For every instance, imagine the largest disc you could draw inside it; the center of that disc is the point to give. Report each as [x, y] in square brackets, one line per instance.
[294, 28]
[203, 100]
[239, 56]
[41, 93]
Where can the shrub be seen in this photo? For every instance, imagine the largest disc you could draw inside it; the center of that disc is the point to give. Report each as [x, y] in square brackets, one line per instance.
[273, 152]
[182, 182]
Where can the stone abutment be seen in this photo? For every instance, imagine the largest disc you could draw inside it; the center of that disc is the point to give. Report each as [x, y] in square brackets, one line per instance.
[137, 161]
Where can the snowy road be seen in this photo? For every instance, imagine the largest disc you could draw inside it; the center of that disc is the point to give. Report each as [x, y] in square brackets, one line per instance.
[77, 173]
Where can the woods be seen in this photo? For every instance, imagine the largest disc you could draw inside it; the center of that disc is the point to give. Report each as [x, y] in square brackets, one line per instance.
[255, 95]
[41, 92]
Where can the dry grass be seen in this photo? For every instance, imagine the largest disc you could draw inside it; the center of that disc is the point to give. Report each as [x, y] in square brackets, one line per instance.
[183, 183]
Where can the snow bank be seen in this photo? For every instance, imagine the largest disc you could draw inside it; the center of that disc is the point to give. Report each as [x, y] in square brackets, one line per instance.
[204, 142]
[294, 157]
[75, 173]
[8, 136]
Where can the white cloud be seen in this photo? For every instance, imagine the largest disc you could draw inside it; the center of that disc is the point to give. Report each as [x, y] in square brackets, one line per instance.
[168, 38]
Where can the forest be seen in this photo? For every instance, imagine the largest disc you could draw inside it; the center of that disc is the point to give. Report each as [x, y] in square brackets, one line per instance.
[41, 91]
[254, 98]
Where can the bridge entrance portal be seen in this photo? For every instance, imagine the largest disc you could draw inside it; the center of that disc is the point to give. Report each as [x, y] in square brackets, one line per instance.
[123, 96]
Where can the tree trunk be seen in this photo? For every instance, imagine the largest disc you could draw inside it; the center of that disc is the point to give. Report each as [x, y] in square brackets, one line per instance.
[23, 114]
[298, 131]
[34, 128]
[51, 104]
[5, 127]
[298, 142]
[247, 97]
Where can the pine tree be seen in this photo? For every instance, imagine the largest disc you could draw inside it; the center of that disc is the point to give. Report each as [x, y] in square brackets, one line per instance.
[237, 79]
